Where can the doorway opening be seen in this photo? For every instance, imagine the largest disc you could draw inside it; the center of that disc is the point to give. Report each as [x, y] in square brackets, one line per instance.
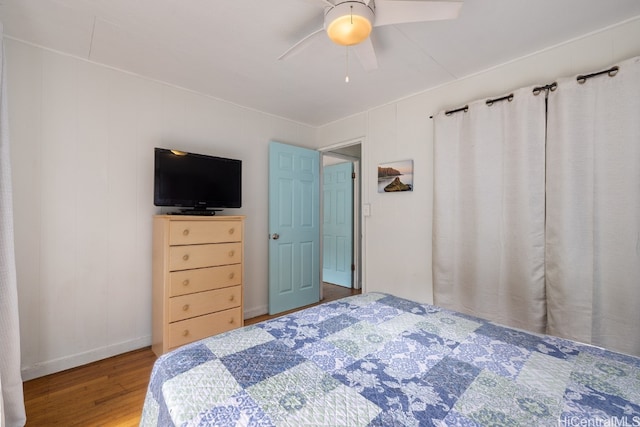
[341, 223]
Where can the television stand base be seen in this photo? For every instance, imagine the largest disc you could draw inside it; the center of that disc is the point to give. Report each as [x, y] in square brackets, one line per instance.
[196, 212]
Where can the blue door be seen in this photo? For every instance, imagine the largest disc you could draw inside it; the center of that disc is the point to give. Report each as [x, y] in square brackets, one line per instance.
[294, 229]
[337, 227]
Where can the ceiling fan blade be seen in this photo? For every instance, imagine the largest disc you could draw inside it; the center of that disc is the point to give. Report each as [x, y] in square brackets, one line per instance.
[389, 12]
[366, 55]
[299, 46]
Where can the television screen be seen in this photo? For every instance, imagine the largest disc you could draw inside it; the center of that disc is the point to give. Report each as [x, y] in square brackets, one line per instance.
[197, 181]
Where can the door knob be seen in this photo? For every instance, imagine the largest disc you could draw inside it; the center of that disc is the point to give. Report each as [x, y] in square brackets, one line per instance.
[275, 236]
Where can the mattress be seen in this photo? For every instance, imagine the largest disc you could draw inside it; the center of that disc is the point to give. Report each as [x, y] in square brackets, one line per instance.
[379, 360]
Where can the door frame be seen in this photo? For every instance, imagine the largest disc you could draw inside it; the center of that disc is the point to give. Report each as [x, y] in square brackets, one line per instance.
[358, 221]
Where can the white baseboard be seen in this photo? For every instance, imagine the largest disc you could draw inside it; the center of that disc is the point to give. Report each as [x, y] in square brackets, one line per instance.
[52, 366]
[255, 312]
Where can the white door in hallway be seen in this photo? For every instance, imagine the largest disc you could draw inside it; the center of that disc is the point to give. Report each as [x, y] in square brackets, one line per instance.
[337, 227]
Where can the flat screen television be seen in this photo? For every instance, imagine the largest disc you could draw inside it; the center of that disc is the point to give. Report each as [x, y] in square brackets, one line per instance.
[198, 183]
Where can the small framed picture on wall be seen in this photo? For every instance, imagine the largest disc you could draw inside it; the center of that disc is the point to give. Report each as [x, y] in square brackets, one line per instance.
[395, 176]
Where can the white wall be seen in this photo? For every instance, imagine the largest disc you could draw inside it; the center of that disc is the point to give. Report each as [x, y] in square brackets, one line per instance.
[397, 252]
[82, 139]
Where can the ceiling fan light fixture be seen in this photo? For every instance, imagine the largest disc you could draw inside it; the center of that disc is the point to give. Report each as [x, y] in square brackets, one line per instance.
[349, 23]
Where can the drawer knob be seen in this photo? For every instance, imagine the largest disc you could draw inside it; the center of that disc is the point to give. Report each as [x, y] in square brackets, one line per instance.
[231, 321]
[185, 257]
[232, 297]
[232, 275]
[185, 282]
[232, 230]
[231, 254]
[185, 332]
[185, 307]
[185, 232]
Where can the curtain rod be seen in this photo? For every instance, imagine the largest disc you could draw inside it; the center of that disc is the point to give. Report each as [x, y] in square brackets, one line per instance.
[490, 102]
[537, 90]
[457, 110]
[503, 98]
[611, 72]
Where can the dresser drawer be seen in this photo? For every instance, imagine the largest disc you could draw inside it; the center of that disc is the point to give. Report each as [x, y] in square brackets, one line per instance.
[204, 279]
[199, 232]
[198, 256]
[190, 330]
[193, 305]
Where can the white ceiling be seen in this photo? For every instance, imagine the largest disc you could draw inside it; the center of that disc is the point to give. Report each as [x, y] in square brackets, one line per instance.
[229, 48]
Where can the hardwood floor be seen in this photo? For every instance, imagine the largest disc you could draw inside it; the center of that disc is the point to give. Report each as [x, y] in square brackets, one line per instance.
[330, 292]
[109, 392]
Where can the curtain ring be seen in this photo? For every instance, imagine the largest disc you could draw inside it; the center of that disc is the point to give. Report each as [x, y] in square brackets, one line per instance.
[537, 90]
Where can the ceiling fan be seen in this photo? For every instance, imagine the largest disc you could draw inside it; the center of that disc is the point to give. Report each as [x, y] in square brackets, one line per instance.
[349, 22]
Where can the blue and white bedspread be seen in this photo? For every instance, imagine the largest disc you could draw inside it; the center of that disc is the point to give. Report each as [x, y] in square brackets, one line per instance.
[378, 360]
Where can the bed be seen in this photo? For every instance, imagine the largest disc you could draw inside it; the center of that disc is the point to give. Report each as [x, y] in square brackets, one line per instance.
[379, 360]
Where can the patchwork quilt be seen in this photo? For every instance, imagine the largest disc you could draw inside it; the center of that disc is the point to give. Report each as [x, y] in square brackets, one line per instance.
[379, 360]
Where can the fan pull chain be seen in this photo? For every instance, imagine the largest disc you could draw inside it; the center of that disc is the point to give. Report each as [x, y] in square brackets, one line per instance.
[346, 78]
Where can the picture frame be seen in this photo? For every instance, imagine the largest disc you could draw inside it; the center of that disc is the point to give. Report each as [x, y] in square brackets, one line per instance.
[395, 177]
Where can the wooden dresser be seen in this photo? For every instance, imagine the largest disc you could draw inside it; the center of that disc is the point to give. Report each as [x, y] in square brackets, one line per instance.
[198, 272]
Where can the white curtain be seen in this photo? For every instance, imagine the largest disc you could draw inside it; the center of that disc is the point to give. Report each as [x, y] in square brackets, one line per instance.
[488, 220]
[593, 210]
[13, 413]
